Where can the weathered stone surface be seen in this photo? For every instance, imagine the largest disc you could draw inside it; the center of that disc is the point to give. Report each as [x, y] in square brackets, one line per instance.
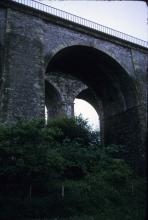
[68, 89]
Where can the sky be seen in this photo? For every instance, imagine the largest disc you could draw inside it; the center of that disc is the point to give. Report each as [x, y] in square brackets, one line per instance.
[130, 17]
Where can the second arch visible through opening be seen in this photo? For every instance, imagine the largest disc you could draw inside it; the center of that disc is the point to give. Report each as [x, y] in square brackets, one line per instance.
[67, 96]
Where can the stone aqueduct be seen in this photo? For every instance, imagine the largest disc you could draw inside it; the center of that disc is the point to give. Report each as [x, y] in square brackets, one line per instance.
[46, 60]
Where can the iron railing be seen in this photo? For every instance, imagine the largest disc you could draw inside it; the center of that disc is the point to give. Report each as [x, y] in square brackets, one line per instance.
[82, 21]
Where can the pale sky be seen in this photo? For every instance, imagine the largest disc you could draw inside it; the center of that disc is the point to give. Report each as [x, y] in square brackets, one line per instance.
[129, 17]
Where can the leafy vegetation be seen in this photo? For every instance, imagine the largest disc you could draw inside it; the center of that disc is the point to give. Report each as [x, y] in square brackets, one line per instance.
[61, 171]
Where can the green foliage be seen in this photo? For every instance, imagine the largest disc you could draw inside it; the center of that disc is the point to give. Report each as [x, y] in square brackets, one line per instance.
[60, 170]
[75, 129]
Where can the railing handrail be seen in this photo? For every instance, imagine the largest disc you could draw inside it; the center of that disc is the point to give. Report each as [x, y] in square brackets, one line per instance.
[82, 21]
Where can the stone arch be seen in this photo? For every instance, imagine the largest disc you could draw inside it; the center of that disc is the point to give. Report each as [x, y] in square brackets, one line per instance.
[59, 81]
[91, 44]
[88, 95]
[64, 46]
[67, 88]
[113, 87]
[129, 69]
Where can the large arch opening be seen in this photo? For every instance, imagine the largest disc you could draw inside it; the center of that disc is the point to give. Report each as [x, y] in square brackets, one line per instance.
[113, 92]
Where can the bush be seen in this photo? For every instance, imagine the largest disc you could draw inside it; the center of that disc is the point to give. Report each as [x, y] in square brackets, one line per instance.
[61, 170]
[75, 129]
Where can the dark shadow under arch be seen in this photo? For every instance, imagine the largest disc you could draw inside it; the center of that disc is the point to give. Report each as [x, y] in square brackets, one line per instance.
[98, 71]
[113, 88]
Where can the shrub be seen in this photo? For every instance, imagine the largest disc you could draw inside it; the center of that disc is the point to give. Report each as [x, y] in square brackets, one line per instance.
[61, 170]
